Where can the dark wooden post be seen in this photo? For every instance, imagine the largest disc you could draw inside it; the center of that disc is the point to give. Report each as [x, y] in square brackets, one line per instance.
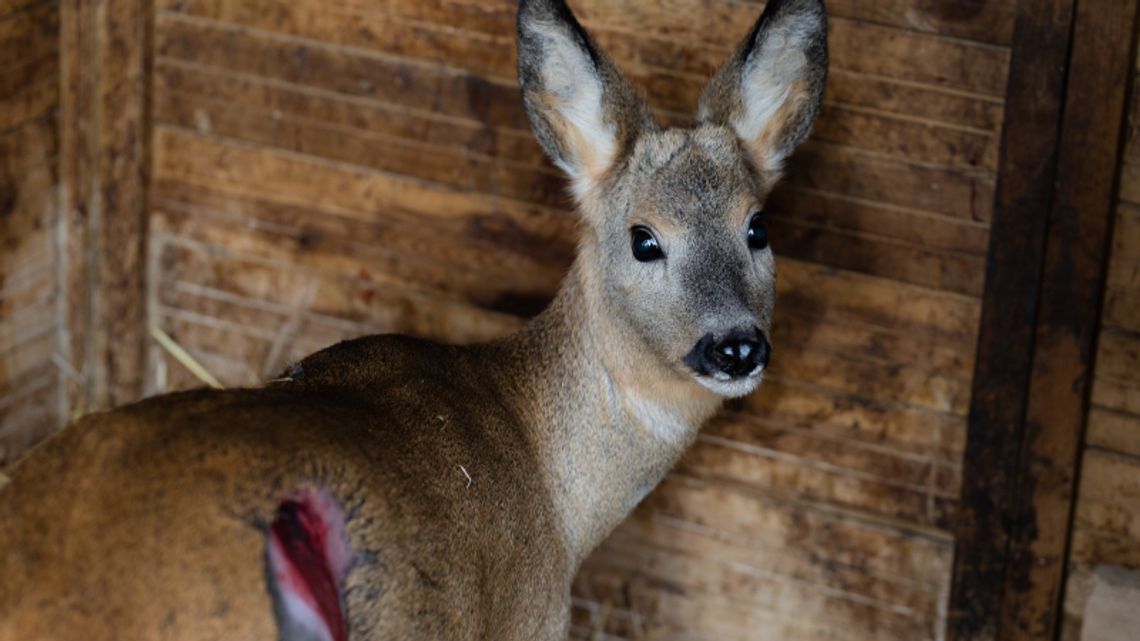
[105, 130]
[1072, 289]
[1041, 306]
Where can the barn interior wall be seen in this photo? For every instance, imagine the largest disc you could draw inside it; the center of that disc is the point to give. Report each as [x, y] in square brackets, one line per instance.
[324, 170]
[29, 169]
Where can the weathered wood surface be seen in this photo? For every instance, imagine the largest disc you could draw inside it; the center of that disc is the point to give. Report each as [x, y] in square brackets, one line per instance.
[29, 167]
[323, 170]
[1075, 258]
[1005, 343]
[1106, 517]
[105, 132]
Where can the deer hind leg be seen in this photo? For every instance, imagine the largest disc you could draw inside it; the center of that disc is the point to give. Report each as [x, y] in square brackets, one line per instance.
[307, 559]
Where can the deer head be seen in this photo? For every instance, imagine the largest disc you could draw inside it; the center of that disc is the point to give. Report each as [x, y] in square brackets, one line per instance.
[675, 249]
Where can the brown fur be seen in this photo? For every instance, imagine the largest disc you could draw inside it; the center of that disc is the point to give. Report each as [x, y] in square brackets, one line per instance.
[474, 479]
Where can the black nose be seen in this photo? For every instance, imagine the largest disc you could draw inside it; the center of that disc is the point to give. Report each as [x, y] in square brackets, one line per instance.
[737, 354]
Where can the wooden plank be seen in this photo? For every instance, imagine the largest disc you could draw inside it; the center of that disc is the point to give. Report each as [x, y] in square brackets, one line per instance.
[943, 270]
[927, 103]
[1122, 309]
[882, 549]
[1076, 252]
[1130, 181]
[981, 20]
[816, 612]
[36, 291]
[26, 415]
[174, 77]
[1111, 612]
[869, 422]
[28, 90]
[105, 147]
[790, 563]
[406, 82]
[1116, 395]
[1111, 430]
[877, 301]
[640, 36]
[1126, 233]
[924, 142]
[872, 255]
[355, 299]
[947, 359]
[10, 7]
[1123, 274]
[27, 147]
[28, 353]
[489, 175]
[889, 382]
[783, 566]
[842, 170]
[915, 141]
[1118, 356]
[242, 172]
[868, 218]
[436, 270]
[26, 209]
[816, 471]
[29, 33]
[1107, 515]
[539, 184]
[1006, 332]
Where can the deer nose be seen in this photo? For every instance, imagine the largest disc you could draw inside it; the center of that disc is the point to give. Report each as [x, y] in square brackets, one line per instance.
[737, 354]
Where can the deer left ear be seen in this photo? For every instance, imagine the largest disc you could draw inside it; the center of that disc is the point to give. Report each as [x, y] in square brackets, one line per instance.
[769, 91]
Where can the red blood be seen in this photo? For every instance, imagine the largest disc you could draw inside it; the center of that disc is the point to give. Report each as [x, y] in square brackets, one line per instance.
[300, 532]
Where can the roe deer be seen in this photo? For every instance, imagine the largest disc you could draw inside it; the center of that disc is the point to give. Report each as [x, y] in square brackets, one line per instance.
[395, 488]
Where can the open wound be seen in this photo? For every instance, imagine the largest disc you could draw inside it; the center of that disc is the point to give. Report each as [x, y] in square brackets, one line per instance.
[308, 559]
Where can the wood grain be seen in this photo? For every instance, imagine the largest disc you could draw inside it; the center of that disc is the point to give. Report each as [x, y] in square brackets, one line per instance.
[1006, 333]
[1076, 251]
[317, 171]
[1106, 508]
[29, 170]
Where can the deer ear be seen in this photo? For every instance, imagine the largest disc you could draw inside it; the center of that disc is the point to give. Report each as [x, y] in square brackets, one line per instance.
[583, 111]
[769, 91]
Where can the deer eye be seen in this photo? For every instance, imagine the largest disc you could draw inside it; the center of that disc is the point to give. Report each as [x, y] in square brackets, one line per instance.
[644, 244]
[757, 232]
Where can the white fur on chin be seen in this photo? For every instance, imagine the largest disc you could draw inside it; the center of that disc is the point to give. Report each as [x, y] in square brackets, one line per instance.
[724, 385]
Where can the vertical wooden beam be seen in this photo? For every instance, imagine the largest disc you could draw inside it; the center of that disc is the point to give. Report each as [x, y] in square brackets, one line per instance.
[1009, 306]
[1044, 285]
[1072, 289]
[105, 127]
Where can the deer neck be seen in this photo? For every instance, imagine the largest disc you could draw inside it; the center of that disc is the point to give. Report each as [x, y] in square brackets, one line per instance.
[608, 418]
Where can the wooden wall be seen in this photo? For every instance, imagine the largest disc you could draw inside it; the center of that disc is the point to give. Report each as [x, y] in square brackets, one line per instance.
[1106, 528]
[29, 163]
[321, 169]
[328, 169]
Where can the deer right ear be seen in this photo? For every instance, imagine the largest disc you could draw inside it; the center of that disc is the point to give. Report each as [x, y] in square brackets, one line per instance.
[769, 91]
[583, 111]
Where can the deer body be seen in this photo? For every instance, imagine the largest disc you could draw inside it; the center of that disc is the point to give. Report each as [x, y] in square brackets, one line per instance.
[466, 484]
